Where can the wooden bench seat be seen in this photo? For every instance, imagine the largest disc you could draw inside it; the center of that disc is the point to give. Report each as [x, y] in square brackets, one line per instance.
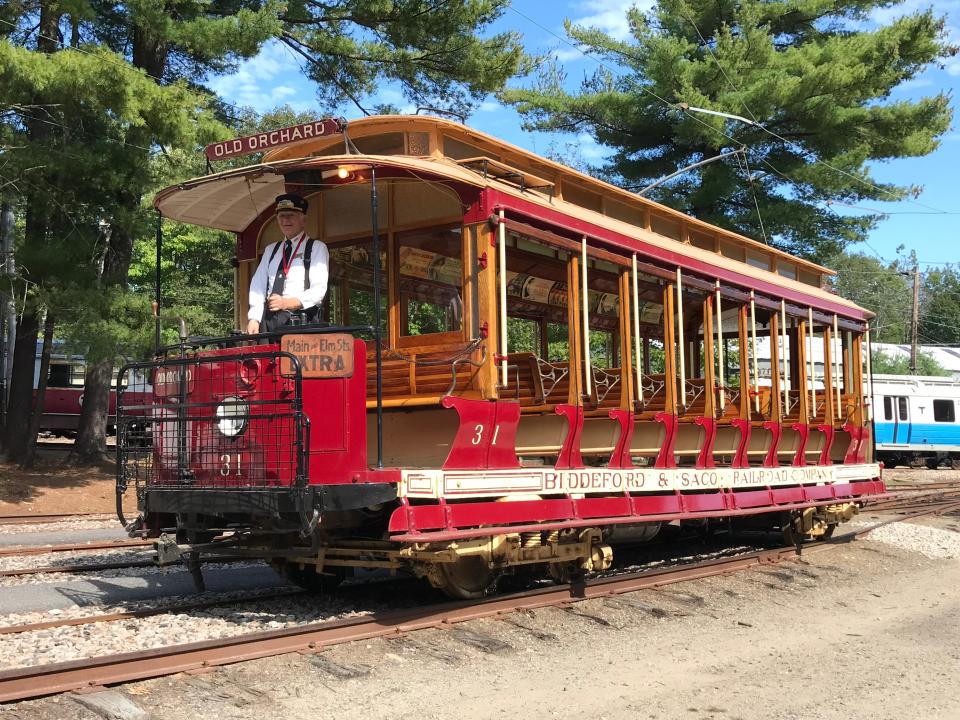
[424, 376]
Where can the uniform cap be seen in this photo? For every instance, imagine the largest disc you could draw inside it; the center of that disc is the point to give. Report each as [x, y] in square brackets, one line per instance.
[291, 201]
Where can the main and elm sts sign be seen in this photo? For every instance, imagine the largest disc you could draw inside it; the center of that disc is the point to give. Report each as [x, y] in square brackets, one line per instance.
[263, 141]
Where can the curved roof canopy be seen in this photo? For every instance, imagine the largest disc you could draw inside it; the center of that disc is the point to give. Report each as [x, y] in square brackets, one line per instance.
[233, 199]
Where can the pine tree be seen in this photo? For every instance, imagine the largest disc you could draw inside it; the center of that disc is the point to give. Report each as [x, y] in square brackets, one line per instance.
[813, 88]
[99, 101]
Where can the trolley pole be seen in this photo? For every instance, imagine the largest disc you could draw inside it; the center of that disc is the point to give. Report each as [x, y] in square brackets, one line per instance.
[158, 299]
[915, 320]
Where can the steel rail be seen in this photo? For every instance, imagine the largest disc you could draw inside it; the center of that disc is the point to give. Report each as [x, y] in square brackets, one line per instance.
[42, 519]
[120, 565]
[88, 567]
[78, 547]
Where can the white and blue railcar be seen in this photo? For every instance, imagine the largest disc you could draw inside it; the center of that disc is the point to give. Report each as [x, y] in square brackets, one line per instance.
[917, 420]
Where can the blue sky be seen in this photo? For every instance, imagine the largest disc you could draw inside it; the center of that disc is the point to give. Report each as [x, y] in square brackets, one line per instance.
[926, 225]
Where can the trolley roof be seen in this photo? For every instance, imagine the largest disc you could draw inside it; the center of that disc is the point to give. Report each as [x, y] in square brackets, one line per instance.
[233, 199]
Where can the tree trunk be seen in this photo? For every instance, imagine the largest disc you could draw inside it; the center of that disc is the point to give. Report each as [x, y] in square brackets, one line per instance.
[21, 386]
[30, 451]
[90, 447]
[150, 54]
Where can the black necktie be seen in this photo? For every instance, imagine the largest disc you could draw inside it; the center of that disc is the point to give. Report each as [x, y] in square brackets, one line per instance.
[281, 277]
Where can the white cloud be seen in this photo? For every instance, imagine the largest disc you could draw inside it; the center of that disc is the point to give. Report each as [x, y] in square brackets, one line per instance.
[565, 53]
[885, 15]
[255, 83]
[914, 84]
[589, 149]
[490, 106]
[610, 15]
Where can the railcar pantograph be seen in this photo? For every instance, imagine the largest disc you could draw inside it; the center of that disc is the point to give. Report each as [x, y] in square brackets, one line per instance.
[519, 366]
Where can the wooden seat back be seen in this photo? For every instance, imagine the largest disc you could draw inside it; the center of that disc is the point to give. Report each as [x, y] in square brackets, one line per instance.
[696, 399]
[607, 389]
[419, 373]
[654, 396]
[537, 384]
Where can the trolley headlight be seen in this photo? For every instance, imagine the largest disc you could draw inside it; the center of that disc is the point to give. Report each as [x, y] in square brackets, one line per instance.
[232, 416]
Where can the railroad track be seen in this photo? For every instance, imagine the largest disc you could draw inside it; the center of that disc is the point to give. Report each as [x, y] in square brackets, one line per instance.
[77, 568]
[43, 519]
[38, 681]
[915, 500]
[149, 612]
[73, 547]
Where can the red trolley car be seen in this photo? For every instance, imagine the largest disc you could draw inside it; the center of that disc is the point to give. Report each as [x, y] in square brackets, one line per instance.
[518, 364]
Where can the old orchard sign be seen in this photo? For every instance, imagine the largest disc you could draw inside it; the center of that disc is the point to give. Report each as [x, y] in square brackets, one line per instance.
[265, 140]
[319, 356]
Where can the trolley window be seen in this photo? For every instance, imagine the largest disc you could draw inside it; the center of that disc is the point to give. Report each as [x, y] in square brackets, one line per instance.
[902, 407]
[888, 408]
[350, 295]
[431, 281]
[944, 411]
[61, 375]
[524, 335]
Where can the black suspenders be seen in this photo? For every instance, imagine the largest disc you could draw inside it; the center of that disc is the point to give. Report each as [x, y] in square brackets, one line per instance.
[307, 253]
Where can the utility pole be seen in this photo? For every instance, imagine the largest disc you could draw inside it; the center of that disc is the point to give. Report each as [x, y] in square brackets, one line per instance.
[915, 320]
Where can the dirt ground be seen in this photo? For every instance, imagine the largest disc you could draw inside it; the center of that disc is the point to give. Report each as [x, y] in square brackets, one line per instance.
[53, 487]
[860, 631]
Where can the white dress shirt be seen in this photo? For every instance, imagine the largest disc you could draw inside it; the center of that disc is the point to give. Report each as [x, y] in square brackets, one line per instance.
[262, 282]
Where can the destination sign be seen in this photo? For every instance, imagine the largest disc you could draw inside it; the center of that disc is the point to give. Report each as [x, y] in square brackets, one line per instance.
[264, 141]
[166, 381]
[319, 356]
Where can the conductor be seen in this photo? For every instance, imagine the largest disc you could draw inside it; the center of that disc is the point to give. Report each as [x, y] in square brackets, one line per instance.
[292, 275]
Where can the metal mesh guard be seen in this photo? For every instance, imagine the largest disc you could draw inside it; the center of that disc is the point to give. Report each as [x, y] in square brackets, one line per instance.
[224, 419]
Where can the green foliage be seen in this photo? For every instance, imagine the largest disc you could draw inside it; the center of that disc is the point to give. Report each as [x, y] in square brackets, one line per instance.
[196, 277]
[523, 335]
[883, 289]
[940, 306]
[558, 343]
[884, 364]
[807, 71]
[435, 50]
[423, 317]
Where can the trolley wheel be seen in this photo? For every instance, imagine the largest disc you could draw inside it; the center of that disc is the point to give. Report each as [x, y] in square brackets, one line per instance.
[933, 463]
[469, 578]
[308, 578]
[955, 463]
